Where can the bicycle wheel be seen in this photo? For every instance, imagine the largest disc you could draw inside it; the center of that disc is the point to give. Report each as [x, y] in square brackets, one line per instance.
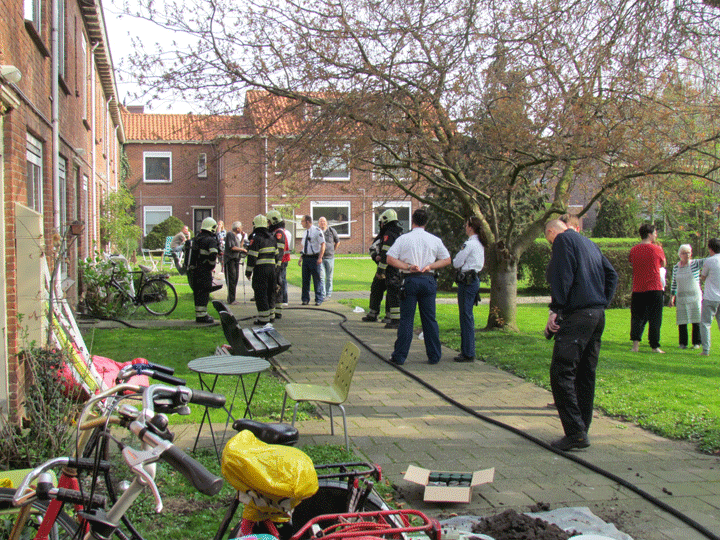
[108, 483]
[332, 498]
[64, 528]
[117, 301]
[158, 296]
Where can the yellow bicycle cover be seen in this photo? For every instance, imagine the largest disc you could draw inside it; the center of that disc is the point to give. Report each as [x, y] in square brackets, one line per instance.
[271, 479]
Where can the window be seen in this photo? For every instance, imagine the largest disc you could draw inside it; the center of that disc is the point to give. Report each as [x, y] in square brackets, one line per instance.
[152, 215]
[62, 39]
[337, 214]
[84, 81]
[33, 13]
[278, 159]
[158, 166]
[202, 166]
[402, 208]
[333, 168]
[34, 173]
[387, 166]
[63, 202]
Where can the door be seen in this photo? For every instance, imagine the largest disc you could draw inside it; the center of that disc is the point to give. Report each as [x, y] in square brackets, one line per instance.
[199, 214]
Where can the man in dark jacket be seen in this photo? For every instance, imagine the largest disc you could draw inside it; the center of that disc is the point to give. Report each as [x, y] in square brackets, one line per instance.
[262, 260]
[204, 253]
[231, 260]
[386, 277]
[582, 283]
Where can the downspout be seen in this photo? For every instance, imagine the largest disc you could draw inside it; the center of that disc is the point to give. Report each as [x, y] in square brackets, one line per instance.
[265, 174]
[93, 160]
[55, 115]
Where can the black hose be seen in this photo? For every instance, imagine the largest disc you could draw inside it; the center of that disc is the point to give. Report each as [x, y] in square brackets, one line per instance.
[607, 474]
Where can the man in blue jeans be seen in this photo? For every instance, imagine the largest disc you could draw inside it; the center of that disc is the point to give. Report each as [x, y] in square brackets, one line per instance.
[417, 255]
[313, 249]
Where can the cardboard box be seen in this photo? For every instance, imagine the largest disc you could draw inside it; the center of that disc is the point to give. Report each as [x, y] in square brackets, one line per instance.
[439, 491]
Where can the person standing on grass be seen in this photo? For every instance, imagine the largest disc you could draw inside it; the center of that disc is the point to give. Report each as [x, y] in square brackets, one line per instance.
[231, 260]
[646, 304]
[332, 241]
[582, 284]
[687, 296]
[710, 278]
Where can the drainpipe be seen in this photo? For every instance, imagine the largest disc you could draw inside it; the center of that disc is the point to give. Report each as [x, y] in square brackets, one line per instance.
[93, 161]
[55, 115]
[363, 201]
[265, 174]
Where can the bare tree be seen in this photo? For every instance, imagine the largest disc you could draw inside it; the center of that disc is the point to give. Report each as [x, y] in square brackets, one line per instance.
[510, 106]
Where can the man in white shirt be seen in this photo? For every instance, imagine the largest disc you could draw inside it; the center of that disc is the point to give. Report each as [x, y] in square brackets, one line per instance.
[710, 278]
[417, 255]
[313, 249]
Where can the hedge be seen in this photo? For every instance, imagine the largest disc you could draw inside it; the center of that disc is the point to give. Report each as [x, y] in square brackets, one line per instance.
[534, 262]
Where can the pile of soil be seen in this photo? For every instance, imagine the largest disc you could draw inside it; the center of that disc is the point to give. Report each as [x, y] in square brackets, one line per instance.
[513, 526]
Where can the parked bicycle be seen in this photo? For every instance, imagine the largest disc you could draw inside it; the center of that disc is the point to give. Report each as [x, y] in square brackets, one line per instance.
[152, 428]
[156, 294]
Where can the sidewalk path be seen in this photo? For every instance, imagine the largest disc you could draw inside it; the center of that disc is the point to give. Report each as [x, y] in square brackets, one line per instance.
[395, 421]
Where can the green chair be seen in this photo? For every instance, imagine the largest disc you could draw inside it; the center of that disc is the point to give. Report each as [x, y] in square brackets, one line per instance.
[334, 394]
[167, 255]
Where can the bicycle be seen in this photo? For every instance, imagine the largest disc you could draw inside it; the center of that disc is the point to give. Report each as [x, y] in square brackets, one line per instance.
[151, 428]
[156, 294]
[45, 519]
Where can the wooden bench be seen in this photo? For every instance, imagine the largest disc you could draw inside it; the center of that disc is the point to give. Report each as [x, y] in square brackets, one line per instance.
[253, 341]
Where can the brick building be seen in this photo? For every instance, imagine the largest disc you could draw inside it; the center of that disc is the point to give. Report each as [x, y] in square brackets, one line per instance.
[235, 167]
[60, 135]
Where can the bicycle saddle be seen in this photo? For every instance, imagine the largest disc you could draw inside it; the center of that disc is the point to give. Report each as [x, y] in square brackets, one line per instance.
[270, 433]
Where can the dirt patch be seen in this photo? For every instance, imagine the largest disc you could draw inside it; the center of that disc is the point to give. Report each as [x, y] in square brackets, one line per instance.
[513, 526]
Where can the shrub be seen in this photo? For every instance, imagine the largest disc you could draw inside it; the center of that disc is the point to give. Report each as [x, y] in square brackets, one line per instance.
[49, 414]
[156, 237]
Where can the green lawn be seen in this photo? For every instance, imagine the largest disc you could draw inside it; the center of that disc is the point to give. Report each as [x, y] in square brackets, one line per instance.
[673, 394]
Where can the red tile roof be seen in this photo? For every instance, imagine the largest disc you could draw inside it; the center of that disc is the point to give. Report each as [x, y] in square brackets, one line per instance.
[182, 127]
[276, 115]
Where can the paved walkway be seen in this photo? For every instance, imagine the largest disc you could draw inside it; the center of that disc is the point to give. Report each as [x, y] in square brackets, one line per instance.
[396, 421]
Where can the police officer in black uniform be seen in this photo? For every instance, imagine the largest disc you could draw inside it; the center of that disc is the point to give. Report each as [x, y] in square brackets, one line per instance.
[386, 278]
[204, 252]
[262, 261]
[276, 224]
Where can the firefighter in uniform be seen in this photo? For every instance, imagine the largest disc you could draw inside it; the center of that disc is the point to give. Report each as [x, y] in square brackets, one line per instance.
[277, 228]
[203, 253]
[262, 260]
[386, 278]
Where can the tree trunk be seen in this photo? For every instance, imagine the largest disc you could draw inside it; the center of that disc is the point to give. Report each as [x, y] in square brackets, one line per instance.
[503, 289]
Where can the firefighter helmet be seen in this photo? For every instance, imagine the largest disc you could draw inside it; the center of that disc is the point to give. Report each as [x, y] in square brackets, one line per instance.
[209, 225]
[387, 216]
[274, 217]
[260, 221]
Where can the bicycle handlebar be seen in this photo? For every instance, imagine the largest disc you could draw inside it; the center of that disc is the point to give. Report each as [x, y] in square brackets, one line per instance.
[195, 473]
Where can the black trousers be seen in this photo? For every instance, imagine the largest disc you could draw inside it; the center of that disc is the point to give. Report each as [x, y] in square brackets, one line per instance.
[573, 366]
[377, 290]
[646, 308]
[232, 267]
[263, 284]
[683, 334]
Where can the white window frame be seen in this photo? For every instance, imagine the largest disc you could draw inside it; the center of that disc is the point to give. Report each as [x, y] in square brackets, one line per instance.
[391, 205]
[332, 222]
[33, 13]
[62, 39]
[84, 82]
[147, 155]
[147, 209]
[328, 164]
[34, 156]
[278, 157]
[202, 165]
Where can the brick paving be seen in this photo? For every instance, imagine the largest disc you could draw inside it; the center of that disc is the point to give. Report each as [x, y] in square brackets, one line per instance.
[393, 420]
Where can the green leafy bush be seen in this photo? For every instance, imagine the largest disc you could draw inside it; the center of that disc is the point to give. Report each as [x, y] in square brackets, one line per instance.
[98, 298]
[49, 414]
[156, 237]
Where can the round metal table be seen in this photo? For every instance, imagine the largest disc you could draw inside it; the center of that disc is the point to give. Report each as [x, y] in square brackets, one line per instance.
[227, 366]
